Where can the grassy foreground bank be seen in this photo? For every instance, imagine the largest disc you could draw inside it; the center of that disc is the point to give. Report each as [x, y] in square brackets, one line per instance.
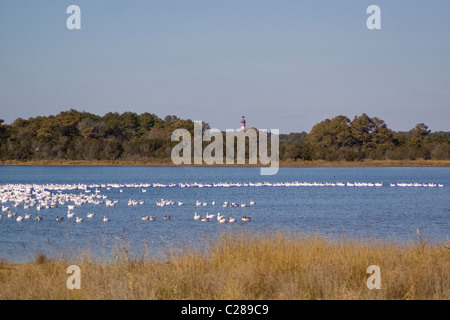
[274, 266]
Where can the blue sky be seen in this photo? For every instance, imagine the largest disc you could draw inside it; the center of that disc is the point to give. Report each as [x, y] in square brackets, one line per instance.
[284, 64]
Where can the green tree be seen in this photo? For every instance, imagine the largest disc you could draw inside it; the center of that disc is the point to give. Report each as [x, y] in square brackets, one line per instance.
[418, 135]
[331, 134]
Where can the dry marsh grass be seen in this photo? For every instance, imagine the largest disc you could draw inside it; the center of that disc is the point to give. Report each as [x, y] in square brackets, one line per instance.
[245, 266]
[283, 163]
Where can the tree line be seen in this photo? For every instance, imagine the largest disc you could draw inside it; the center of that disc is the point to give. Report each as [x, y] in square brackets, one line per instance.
[74, 135]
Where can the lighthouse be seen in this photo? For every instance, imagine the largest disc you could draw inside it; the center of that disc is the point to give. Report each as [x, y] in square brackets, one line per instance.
[243, 128]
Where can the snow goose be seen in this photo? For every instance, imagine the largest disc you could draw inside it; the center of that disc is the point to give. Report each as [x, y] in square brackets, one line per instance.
[222, 219]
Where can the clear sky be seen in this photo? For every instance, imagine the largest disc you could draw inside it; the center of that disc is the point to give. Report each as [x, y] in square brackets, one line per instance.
[284, 64]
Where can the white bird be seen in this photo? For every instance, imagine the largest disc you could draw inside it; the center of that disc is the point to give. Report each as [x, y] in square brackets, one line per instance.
[19, 218]
[79, 220]
[70, 214]
[196, 216]
[210, 216]
[27, 216]
[144, 218]
[90, 215]
[222, 219]
[252, 202]
[230, 219]
[105, 219]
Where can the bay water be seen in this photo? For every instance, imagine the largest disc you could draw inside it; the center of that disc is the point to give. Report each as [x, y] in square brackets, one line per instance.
[386, 203]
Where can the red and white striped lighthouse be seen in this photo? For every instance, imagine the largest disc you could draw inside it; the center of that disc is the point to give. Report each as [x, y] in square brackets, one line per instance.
[243, 128]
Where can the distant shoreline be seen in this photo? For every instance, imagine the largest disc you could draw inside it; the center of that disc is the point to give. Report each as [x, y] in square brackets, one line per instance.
[156, 163]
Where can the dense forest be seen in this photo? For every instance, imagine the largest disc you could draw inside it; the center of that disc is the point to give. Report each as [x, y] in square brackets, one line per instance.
[74, 135]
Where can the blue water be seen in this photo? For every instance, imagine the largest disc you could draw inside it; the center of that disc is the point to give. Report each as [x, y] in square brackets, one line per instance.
[384, 213]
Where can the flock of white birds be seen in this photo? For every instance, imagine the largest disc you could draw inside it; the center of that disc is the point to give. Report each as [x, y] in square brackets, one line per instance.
[47, 196]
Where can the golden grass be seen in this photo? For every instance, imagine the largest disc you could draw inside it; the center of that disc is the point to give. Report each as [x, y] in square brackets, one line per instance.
[368, 163]
[287, 163]
[245, 266]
